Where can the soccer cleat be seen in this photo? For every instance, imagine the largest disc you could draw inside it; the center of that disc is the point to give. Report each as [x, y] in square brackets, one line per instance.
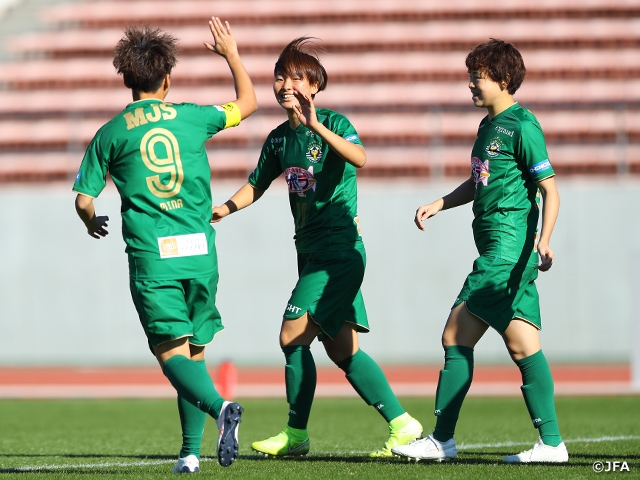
[411, 432]
[287, 442]
[428, 449]
[541, 453]
[188, 464]
[230, 417]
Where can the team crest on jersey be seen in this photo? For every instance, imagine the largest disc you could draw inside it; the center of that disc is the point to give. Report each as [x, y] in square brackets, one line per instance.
[314, 151]
[300, 180]
[494, 147]
[480, 171]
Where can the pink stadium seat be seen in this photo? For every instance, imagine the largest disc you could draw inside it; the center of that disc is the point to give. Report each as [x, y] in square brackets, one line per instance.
[341, 96]
[394, 35]
[193, 11]
[343, 67]
[395, 68]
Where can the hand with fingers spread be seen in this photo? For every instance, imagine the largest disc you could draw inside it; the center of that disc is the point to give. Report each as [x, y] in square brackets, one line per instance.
[305, 110]
[97, 226]
[224, 42]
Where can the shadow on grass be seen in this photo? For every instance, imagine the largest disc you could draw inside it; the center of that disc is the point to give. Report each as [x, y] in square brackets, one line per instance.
[477, 458]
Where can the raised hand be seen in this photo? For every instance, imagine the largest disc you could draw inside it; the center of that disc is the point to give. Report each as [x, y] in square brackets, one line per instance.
[224, 42]
[306, 110]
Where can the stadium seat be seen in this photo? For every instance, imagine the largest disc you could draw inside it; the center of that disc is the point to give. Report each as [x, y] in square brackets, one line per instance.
[396, 70]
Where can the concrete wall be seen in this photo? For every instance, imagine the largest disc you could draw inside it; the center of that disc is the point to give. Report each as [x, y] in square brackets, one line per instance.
[64, 297]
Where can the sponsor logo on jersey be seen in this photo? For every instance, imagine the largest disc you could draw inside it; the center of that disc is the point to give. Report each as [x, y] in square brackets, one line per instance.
[539, 167]
[351, 138]
[300, 180]
[480, 171]
[500, 129]
[78, 176]
[183, 245]
[314, 152]
[293, 308]
[494, 147]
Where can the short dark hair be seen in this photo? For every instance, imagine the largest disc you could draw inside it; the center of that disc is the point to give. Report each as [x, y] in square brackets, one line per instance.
[144, 56]
[501, 61]
[300, 58]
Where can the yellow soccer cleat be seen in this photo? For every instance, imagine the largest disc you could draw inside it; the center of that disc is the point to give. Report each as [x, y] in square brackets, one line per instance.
[290, 442]
[411, 432]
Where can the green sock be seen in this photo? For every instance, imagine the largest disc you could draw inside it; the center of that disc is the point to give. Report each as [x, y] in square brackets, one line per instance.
[368, 379]
[193, 383]
[453, 385]
[192, 421]
[537, 390]
[300, 379]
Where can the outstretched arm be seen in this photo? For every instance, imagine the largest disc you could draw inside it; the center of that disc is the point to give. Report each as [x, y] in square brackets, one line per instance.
[241, 199]
[550, 208]
[350, 152]
[463, 194]
[96, 226]
[225, 45]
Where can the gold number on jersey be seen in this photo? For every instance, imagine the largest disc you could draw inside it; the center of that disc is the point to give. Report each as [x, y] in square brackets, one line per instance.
[162, 159]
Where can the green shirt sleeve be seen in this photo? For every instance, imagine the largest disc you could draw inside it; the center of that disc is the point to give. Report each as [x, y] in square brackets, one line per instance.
[269, 167]
[92, 176]
[533, 151]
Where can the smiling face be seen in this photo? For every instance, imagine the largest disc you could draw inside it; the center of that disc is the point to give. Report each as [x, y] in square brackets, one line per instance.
[489, 94]
[284, 86]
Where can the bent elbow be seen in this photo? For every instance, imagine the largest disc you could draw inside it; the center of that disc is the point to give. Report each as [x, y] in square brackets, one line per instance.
[360, 159]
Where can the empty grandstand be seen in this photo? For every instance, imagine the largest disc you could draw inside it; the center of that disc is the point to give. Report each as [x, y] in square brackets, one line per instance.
[396, 69]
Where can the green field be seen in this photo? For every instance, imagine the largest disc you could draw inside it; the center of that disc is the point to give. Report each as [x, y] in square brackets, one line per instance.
[89, 439]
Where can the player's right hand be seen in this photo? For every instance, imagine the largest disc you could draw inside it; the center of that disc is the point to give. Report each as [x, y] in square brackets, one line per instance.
[97, 227]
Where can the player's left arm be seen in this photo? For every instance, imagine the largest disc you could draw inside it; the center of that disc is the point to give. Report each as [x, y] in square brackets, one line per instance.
[550, 208]
[96, 226]
[225, 45]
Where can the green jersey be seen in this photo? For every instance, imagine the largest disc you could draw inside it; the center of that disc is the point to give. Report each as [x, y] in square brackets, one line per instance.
[322, 186]
[155, 153]
[509, 156]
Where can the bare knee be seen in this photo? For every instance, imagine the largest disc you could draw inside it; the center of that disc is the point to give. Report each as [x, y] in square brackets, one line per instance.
[336, 353]
[345, 344]
[299, 331]
[463, 328]
[521, 339]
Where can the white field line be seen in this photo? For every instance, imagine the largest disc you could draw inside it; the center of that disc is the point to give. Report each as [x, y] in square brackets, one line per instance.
[143, 463]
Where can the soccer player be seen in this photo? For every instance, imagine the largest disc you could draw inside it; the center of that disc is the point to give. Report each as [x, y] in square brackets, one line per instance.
[319, 151]
[155, 154]
[510, 168]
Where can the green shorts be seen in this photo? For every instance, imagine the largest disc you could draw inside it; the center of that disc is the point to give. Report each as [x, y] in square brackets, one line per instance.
[171, 309]
[328, 289]
[497, 291]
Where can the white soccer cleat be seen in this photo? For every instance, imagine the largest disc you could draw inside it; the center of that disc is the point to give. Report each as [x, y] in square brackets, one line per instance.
[188, 464]
[230, 417]
[428, 449]
[541, 453]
